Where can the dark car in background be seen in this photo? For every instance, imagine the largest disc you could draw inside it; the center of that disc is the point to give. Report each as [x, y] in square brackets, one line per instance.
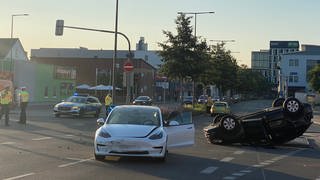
[203, 99]
[78, 105]
[188, 100]
[284, 121]
[143, 100]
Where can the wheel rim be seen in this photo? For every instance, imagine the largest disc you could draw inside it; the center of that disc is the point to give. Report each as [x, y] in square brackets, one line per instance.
[293, 106]
[229, 123]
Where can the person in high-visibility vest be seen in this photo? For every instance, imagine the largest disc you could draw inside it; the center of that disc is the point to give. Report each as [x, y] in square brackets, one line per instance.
[24, 100]
[107, 102]
[5, 101]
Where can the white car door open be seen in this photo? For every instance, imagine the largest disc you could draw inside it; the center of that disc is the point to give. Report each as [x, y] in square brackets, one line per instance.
[181, 134]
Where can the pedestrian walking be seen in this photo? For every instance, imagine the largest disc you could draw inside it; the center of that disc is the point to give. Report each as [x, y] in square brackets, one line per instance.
[107, 102]
[5, 101]
[24, 100]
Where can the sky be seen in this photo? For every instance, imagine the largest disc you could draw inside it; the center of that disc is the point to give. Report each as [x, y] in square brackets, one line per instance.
[250, 23]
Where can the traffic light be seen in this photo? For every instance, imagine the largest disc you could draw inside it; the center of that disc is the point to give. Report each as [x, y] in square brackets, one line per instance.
[59, 27]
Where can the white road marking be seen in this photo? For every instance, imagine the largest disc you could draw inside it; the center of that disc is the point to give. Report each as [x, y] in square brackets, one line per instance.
[69, 135]
[73, 163]
[265, 163]
[209, 170]
[258, 165]
[238, 152]
[20, 176]
[230, 177]
[7, 143]
[246, 171]
[238, 174]
[226, 159]
[42, 138]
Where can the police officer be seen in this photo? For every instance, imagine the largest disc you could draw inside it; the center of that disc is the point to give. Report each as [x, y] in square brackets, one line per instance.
[5, 101]
[24, 99]
[107, 102]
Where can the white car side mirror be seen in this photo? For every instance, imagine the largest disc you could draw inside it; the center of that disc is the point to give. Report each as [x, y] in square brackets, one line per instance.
[100, 121]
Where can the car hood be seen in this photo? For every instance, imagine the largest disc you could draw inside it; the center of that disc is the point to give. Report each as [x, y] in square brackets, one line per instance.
[121, 130]
[69, 104]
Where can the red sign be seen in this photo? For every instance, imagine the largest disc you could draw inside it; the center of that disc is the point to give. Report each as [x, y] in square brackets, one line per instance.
[128, 66]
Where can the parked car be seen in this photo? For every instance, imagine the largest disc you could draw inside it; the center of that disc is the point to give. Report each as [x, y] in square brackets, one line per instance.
[78, 105]
[275, 125]
[141, 131]
[203, 99]
[219, 107]
[188, 100]
[142, 100]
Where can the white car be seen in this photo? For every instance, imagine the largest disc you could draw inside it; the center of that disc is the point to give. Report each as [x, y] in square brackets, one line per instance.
[141, 131]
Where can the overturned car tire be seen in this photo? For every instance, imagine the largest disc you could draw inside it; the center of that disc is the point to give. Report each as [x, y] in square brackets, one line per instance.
[292, 106]
[278, 102]
[231, 128]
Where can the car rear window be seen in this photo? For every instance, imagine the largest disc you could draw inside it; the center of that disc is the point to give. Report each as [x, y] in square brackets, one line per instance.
[220, 105]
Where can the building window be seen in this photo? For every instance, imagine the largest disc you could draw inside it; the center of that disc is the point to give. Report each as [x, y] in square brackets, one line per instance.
[65, 73]
[293, 77]
[46, 89]
[54, 92]
[293, 62]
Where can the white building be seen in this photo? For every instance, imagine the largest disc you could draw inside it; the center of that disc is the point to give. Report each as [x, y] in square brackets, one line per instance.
[295, 66]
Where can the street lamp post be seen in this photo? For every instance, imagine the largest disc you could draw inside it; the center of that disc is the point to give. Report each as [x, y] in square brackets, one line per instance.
[115, 54]
[11, 36]
[195, 33]
[195, 18]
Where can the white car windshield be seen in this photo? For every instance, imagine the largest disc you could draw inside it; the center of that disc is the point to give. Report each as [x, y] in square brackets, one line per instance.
[76, 99]
[133, 116]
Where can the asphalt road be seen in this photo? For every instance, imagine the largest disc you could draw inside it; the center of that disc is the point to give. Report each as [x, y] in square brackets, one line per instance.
[62, 148]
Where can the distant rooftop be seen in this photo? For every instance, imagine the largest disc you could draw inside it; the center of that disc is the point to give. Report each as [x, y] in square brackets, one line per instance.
[6, 45]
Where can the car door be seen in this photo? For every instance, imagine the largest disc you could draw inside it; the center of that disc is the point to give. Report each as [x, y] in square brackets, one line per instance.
[180, 131]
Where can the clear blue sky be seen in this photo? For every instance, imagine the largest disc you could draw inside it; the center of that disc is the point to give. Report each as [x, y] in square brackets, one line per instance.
[251, 23]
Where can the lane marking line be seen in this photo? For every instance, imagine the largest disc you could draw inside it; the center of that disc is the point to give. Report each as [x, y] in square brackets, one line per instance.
[209, 170]
[246, 171]
[230, 177]
[238, 174]
[226, 159]
[20, 176]
[238, 152]
[42, 138]
[74, 163]
[7, 143]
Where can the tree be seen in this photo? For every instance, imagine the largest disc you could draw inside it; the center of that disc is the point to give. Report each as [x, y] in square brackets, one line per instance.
[314, 78]
[182, 55]
[223, 69]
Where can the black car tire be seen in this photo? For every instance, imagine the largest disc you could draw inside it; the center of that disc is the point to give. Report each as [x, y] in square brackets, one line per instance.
[292, 106]
[278, 102]
[57, 115]
[99, 157]
[230, 125]
[217, 118]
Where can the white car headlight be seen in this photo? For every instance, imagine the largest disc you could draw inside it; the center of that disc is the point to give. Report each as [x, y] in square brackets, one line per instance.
[75, 108]
[56, 107]
[104, 134]
[156, 135]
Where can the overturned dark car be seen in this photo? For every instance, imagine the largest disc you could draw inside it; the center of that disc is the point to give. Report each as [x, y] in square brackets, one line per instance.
[286, 120]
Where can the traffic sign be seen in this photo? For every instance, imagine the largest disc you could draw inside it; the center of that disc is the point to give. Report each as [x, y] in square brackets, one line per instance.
[128, 66]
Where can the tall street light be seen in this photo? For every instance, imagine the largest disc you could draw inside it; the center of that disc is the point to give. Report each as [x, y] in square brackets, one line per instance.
[115, 54]
[11, 60]
[195, 33]
[195, 18]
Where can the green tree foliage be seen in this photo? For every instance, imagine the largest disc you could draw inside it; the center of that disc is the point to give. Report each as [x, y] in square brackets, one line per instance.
[252, 83]
[182, 55]
[314, 78]
[223, 69]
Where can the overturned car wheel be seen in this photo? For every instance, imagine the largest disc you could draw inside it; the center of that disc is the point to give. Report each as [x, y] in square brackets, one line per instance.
[292, 106]
[231, 128]
[278, 102]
